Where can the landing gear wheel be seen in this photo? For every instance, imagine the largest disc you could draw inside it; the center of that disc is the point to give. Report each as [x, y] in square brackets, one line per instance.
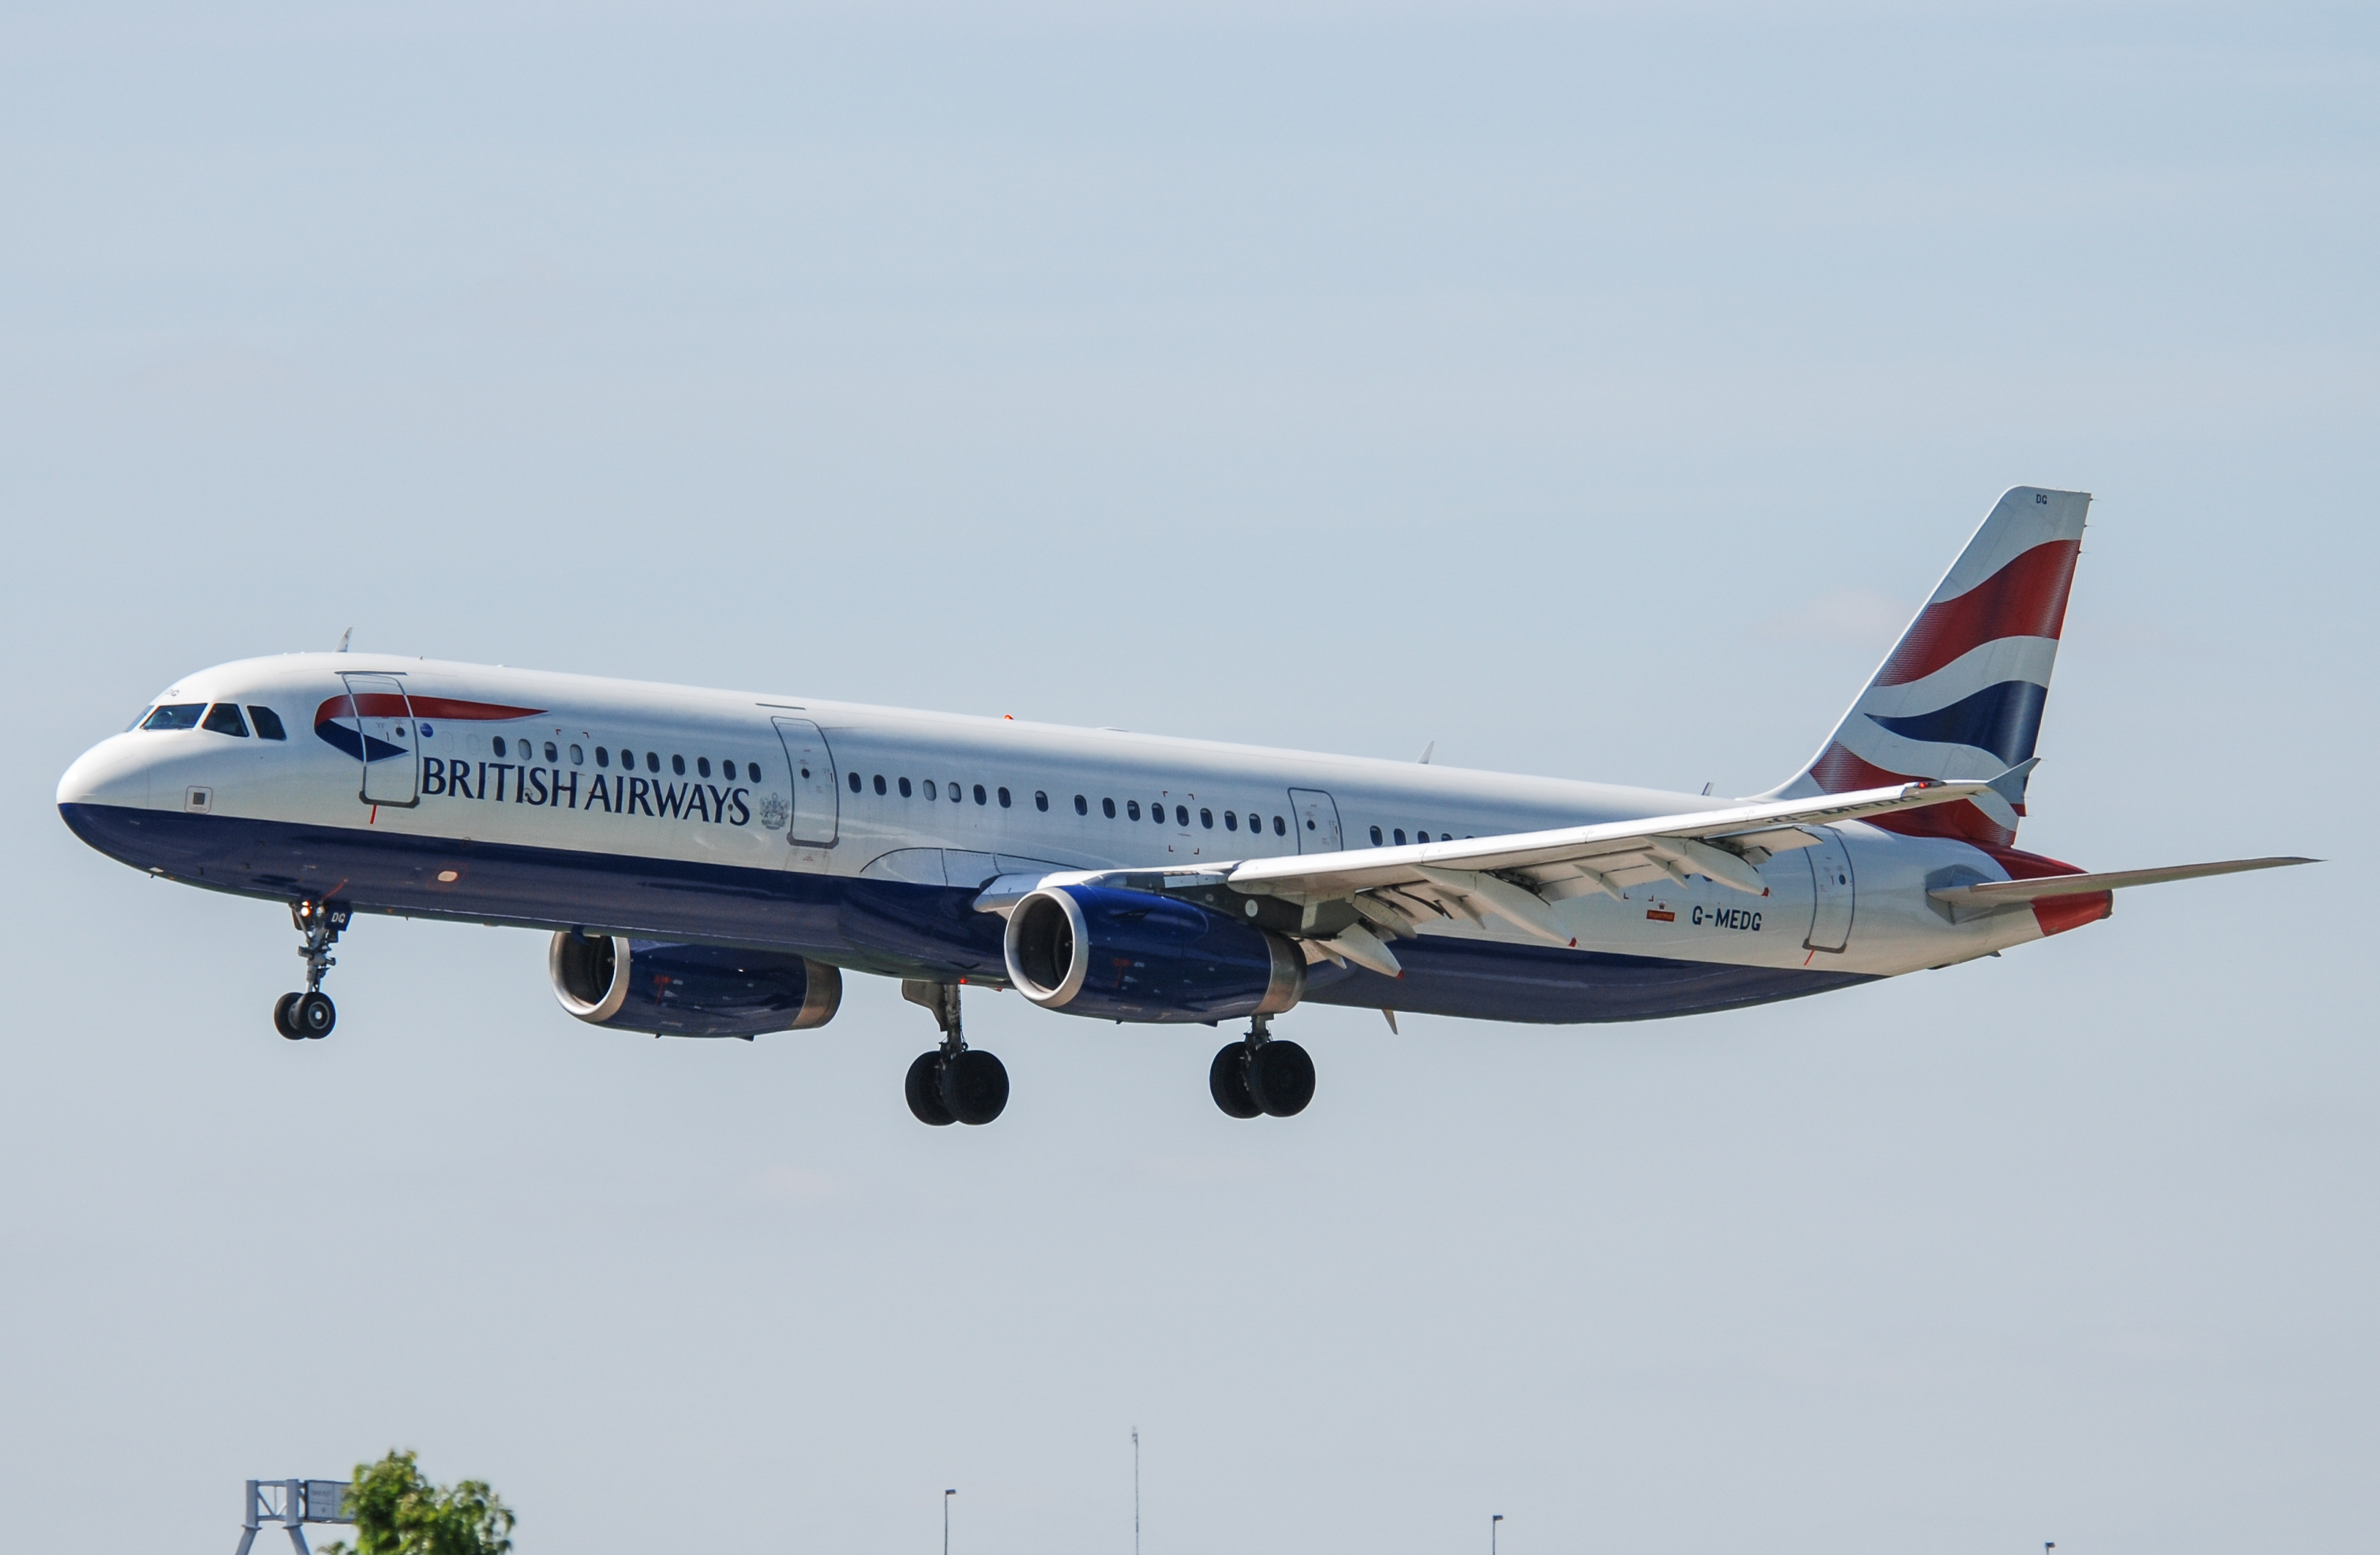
[281, 1021]
[1227, 1079]
[924, 1089]
[1280, 1078]
[313, 1015]
[975, 1085]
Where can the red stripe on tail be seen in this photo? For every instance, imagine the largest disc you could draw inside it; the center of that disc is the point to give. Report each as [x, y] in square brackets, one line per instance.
[2024, 599]
[1839, 770]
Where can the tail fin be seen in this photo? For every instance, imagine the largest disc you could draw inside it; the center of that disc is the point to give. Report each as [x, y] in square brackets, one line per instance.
[1961, 695]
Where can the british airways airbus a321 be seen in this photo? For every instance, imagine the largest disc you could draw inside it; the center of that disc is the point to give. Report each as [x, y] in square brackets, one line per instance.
[711, 863]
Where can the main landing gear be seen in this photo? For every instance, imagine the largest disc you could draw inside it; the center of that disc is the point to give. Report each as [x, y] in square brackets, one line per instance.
[1261, 1075]
[311, 1014]
[953, 1083]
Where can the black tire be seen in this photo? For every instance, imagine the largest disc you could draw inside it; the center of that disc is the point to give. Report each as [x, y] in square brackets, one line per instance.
[1280, 1078]
[281, 1021]
[974, 1087]
[313, 1015]
[1227, 1081]
[924, 1090]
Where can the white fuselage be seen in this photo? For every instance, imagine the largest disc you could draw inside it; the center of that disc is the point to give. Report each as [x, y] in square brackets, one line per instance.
[517, 810]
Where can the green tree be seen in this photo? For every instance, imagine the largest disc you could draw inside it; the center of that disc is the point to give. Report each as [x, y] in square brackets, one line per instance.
[399, 1512]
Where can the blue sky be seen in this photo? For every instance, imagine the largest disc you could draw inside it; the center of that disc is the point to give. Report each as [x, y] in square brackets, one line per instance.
[1588, 391]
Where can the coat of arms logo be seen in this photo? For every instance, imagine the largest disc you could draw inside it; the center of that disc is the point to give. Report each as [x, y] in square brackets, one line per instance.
[774, 811]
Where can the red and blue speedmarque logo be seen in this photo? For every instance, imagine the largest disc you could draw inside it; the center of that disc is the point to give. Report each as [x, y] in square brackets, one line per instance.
[339, 722]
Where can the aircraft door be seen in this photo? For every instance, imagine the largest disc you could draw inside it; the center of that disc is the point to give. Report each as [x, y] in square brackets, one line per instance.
[809, 762]
[1835, 891]
[390, 748]
[1316, 818]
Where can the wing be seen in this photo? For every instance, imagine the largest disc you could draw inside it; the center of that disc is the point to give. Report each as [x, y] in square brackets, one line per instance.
[1515, 879]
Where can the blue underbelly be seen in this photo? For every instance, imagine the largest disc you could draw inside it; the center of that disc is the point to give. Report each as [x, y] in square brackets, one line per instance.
[879, 926]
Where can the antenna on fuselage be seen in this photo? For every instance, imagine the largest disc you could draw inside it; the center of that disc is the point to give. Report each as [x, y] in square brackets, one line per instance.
[343, 639]
[1426, 750]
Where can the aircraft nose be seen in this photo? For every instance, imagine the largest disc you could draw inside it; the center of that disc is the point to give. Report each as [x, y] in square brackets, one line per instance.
[115, 771]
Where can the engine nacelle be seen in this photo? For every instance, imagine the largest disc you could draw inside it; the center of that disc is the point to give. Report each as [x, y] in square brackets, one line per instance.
[1136, 955]
[689, 990]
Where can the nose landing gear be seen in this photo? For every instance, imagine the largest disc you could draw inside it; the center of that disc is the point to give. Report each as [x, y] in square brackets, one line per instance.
[1261, 1075]
[300, 1015]
[953, 1083]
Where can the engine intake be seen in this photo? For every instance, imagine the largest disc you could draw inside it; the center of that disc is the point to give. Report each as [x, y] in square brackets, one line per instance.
[1139, 955]
[689, 990]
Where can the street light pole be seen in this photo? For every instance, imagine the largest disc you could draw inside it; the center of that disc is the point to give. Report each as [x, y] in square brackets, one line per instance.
[946, 1521]
[1499, 1517]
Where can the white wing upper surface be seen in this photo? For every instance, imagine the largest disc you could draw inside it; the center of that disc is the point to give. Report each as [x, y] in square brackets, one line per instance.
[1514, 879]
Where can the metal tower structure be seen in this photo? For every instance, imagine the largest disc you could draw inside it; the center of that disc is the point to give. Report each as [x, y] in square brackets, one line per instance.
[293, 1503]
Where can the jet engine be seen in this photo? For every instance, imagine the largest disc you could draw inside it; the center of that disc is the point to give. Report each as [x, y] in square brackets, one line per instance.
[689, 990]
[1122, 955]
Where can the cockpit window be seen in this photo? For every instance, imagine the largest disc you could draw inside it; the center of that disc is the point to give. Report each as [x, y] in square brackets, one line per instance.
[224, 719]
[267, 721]
[175, 715]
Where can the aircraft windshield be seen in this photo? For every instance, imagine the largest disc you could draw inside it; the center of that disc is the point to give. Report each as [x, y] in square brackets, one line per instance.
[175, 715]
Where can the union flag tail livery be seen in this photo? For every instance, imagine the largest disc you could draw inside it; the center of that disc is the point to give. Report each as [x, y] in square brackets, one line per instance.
[1961, 693]
[712, 863]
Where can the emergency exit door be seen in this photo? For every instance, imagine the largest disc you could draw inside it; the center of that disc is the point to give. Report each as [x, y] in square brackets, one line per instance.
[388, 742]
[811, 766]
[1316, 815]
[1836, 888]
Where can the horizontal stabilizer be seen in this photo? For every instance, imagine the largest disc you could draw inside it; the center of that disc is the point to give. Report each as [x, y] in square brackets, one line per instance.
[1996, 894]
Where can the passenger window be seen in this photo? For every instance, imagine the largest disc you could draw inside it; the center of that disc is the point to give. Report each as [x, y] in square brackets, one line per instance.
[701, 766]
[1181, 815]
[855, 782]
[577, 756]
[1206, 819]
[931, 791]
[1040, 800]
[1401, 836]
[602, 756]
[677, 765]
[953, 787]
[1280, 827]
[1132, 808]
[879, 782]
[653, 761]
[1003, 798]
[1376, 836]
[904, 788]
[498, 746]
[1231, 821]
[267, 721]
[1106, 808]
[978, 793]
[1082, 806]
[552, 754]
[753, 769]
[224, 719]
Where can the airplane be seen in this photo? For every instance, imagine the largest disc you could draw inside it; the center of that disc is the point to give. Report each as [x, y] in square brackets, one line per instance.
[711, 863]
